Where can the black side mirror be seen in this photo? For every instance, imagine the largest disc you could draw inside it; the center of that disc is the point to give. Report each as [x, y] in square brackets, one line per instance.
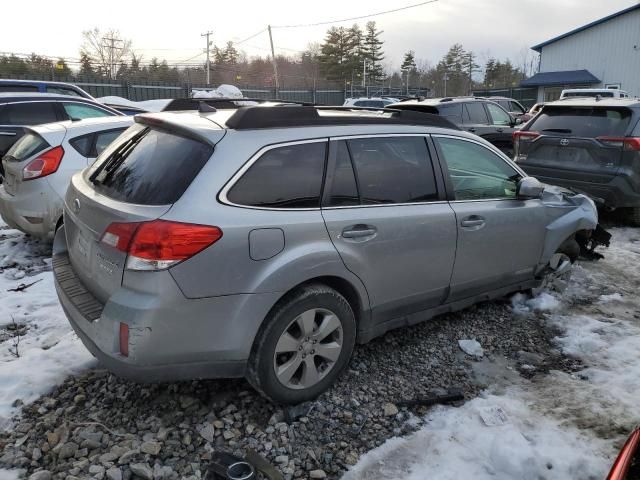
[528, 188]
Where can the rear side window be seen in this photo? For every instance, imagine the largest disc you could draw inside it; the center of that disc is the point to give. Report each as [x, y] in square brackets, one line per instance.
[451, 112]
[393, 170]
[30, 144]
[586, 122]
[149, 167]
[29, 113]
[283, 177]
[474, 113]
[18, 88]
[63, 91]
[93, 144]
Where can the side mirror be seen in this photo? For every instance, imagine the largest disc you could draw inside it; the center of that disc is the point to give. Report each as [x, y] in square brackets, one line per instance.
[529, 187]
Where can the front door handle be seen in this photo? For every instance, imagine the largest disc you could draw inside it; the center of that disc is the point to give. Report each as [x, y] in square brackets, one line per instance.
[474, 222]
[359, 231]
[499, 130]
[471, 129]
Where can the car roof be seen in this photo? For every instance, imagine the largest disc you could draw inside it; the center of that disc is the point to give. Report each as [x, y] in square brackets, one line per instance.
[89, 124]
[23, 96]
[35, 82]
[595, 102]
[441, 101]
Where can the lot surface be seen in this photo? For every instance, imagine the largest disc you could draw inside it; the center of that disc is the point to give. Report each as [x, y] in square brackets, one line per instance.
[553, 395]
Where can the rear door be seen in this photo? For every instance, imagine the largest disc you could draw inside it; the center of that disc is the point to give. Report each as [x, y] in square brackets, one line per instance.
[501, 135]
[565, 141]
[386, 216]
[136, 179]
[500, 238]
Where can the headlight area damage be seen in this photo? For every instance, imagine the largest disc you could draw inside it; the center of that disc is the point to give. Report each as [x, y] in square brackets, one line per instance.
[573, 228]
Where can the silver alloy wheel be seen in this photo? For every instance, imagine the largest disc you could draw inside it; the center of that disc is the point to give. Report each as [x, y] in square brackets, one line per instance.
[308, 348]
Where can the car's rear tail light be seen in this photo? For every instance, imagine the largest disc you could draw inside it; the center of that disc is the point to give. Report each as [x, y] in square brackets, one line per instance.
[521, 137]
[628, 143]
[124, 339]
[44, 164]
[159, 244]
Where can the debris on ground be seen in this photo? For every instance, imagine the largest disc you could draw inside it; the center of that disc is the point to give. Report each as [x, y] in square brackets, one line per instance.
[471, 347]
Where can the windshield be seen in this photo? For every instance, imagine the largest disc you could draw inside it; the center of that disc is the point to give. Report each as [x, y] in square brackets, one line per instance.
[587, 122]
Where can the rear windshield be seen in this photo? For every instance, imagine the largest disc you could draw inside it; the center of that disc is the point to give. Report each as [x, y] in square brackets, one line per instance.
[587, 122]
[26, 147]
[149, 167]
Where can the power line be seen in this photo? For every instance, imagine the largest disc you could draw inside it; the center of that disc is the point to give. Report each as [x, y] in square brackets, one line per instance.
[355, 18]
[250, 37]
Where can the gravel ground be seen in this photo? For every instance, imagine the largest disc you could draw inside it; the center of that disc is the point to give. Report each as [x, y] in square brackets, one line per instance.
[96, 425]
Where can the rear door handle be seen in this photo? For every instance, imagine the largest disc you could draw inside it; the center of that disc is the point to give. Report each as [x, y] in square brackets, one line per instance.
[500, 130]
[473, 221]
[359, 231]
[471, 130]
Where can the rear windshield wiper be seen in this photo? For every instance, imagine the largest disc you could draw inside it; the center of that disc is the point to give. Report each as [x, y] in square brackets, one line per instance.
[557, 130]
[117, 157]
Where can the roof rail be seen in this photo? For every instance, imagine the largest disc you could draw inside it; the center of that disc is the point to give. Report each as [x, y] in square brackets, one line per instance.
[219, 103]
[282, 116]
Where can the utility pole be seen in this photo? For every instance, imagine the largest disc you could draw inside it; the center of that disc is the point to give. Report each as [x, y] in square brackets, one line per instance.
[446, 77]
[273, 60]
[111, 46]
[208, 61]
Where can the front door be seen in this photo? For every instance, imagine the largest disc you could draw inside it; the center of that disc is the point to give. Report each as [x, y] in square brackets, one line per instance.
[500, 238]
[386, 216]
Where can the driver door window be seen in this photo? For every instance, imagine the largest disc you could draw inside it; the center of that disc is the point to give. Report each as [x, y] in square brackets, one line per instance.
[498, 115]
[476, 172]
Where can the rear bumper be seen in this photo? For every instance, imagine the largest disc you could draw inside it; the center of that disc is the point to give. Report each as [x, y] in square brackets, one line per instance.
[616, 194]
[170, 337]
[35, 213]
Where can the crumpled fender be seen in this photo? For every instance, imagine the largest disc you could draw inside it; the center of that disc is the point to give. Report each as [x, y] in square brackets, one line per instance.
[569, 213]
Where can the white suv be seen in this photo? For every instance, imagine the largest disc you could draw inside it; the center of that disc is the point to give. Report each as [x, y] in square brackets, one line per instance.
[594, 92]
[372, 102]
[38, 168]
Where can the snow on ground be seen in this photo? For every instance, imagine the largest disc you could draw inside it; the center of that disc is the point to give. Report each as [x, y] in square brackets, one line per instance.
[47, 349]
[553, 426]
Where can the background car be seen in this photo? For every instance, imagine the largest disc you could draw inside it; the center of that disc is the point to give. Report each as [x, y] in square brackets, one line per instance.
[373, 102]
[36, 86]
[38, 168]
[514, 107]
[477, 115]
[589, 145]
[594, 92]
[19, 110]
[413, 218]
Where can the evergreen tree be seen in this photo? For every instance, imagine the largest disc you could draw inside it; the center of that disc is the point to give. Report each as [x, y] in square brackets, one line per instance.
[373, 54]
[86, 68]
[337, 54]
[230, 54]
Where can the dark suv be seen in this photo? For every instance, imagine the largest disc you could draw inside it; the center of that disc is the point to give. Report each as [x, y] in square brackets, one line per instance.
[477, 115]
[18, 110]
[589, 145]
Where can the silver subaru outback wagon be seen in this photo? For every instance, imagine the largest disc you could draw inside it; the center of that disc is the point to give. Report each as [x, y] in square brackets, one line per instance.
[266, 241]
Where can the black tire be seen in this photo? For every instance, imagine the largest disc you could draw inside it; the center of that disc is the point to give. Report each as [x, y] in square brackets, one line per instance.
[261, 372]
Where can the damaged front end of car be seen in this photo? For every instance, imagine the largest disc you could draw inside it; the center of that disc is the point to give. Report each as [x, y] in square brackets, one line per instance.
[572, 232]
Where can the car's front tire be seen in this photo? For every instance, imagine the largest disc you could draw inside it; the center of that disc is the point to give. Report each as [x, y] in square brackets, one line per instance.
[307, 340]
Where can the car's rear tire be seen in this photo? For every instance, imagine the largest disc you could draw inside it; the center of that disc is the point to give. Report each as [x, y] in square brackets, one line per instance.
[306, 341]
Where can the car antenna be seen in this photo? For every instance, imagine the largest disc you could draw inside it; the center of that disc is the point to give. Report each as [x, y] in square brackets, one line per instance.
[206, 108]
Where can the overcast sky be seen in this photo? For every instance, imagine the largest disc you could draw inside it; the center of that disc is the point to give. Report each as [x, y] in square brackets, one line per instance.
[171, 30]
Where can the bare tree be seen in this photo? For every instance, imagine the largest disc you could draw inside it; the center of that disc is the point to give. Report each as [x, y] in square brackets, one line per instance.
[106, 50]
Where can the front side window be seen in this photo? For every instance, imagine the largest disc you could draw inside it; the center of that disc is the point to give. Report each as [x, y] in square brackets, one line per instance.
[78, 111]
[393, 170]
[283, 177]
[498, 115]
[516, 107]
[474, 114]
[476, 172]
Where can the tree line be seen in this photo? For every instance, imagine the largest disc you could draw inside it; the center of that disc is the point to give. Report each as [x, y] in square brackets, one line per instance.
[347, 57]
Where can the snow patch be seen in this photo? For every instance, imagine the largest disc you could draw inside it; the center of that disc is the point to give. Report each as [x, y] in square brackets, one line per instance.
[471, 347]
